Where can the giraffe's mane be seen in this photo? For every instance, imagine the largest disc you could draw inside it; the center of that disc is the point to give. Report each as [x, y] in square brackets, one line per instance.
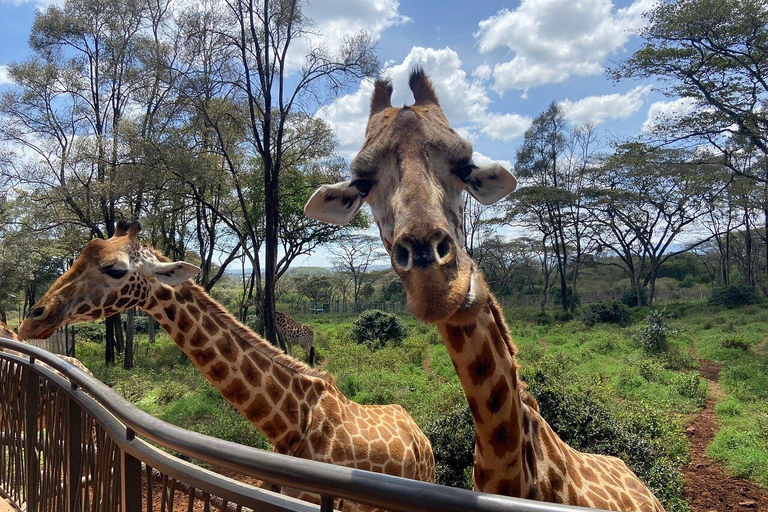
[501, 323]
[245, 334]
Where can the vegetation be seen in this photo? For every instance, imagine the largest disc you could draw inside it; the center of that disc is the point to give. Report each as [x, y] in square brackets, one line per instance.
[607, 312]
[734, 296]
[377, 329]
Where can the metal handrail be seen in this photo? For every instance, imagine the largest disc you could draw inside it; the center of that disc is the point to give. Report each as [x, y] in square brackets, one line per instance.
[124, 420]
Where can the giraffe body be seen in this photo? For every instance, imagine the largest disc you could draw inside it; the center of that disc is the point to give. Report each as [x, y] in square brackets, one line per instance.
[412, 171]
[290, 330]
[298, 408]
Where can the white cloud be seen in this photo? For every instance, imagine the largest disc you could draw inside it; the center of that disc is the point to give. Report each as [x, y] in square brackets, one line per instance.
[335, 20]
[480, 159]
[597, 109]
[505, 127]
[662, 111]
[555, 39]
[4, 76]
[482, 72]
[464, 101]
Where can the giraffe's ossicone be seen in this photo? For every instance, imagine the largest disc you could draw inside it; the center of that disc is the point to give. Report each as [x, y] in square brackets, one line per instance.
[413, 170]
[298, 408]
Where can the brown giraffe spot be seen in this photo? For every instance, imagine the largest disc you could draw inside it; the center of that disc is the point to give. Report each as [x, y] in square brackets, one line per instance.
[282, 376]
[530, 459]
[250, 372]
[236, 392]
[504, 438]
[152, 303]
[218, 372]
[509, 487]
[209, 325]
[455, 336]
[123, 302]
[588, 474]
[124, 290]
[111, 298]
[291, 409]
[469, 329]
[258, 409]
[274, 427]
[392, 468]
[184, 324]
[194, 311]
[198, 339]
[96, 313]
[186, 294]
[227, 349]
[274, 391]
[204, 356]
[180, 298]
[474, 409]
[164, 293]
[481, 476]
[83, 309]
[498, 396]
[482, 367]
[170, 312]
[555, 480]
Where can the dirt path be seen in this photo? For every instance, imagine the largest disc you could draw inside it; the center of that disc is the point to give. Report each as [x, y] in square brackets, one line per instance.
[708, 486]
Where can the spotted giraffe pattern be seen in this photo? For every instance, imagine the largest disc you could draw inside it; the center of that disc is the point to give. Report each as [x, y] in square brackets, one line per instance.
[412, 171]
[298, 408]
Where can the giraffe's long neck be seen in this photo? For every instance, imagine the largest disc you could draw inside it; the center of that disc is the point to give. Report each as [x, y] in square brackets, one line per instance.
[273, 391]
[483, 355]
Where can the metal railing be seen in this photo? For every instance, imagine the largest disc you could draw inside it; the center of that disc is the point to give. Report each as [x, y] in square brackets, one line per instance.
[70, 443]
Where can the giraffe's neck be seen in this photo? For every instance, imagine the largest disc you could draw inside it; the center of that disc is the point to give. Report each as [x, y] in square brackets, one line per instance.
[273, 391]
[483, 355]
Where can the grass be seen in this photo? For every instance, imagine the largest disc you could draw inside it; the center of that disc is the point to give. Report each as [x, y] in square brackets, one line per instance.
[645, 396]
[739, 340]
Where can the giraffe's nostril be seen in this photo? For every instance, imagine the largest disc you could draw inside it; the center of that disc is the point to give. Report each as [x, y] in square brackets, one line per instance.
[37, 312]
[443, 248]
[402, 255]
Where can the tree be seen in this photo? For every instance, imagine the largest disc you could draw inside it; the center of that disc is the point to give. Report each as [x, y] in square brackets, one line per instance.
[354, 255]
[711, 53]
[642, 202]
[264, 34]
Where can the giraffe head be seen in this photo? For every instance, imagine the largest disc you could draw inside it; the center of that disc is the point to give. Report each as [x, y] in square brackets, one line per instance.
[109, 276]
[412, 171]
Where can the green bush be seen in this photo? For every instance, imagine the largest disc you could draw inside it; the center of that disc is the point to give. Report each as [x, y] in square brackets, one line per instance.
[453, 440]
[629, 298]
[654, 337]
[641, 437]
[91, 331]
[606, 312]
[736, 342]
[377, 329]
[735, 296]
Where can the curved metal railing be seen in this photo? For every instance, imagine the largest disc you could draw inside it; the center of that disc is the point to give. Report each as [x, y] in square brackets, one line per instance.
[81, 439]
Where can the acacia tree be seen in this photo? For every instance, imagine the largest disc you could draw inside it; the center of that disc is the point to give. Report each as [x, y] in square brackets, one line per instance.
[712, 53]
[353, 255]
[264, 35]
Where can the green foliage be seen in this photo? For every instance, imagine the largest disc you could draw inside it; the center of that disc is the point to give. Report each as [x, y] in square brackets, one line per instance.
[654, 337]
[581, 415]
[629, 298]
[91, 331]
[377, 329]
[735, 342]
[606, 312]
[453, 441]
[735, 296]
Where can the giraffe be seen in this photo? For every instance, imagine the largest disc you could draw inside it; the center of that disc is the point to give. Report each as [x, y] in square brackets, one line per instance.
[7, 332]
[298, 408]
[412, 170]
[291, 331]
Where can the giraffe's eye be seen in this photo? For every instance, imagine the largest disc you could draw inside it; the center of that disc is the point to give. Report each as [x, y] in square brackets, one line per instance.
[363, 186]
[114, 273]
[463, 170]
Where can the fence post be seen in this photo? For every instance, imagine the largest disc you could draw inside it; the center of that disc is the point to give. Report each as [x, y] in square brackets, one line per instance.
[32, 386]
[130, 479]
[74, 451]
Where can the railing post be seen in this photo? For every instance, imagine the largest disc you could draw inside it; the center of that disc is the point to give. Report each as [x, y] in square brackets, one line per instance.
[130, 480]
[32, 386]
[326, 503]
[74, 452]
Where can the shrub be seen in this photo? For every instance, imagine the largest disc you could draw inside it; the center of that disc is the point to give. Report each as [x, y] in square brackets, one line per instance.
[734, 296]
[91, 331]
[629, 298]
[735, 342]
[453, 440]
[606, 312]
[377, 329]
[654, 337]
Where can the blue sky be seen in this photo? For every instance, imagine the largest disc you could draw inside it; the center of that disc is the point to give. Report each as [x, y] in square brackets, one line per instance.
[495, 65]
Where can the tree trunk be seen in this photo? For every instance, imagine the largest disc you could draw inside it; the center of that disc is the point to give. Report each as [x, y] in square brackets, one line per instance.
[128, 360]
[3, 316]
[110, 341]
[119, 333]
[151, 328]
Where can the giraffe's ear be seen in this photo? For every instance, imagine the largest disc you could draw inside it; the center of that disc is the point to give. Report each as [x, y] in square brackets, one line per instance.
[490, 183]
[175, 272]
[334, 204]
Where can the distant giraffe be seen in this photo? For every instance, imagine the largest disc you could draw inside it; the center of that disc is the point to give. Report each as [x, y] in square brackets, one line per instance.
[291, 331]
[298, 408]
